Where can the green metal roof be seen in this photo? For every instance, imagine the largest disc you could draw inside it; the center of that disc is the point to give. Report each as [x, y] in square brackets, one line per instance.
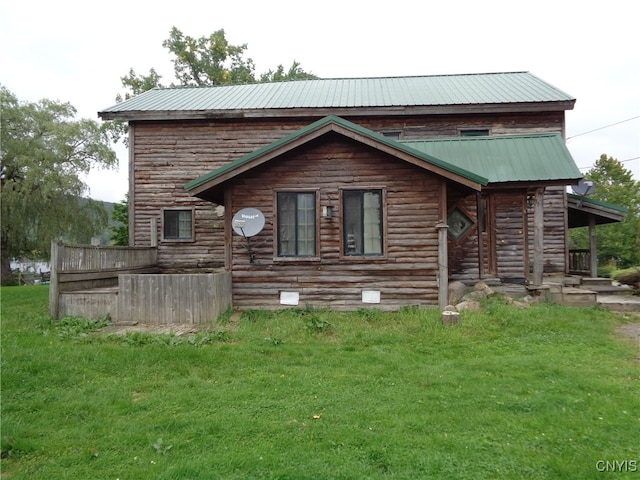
[319, 125]
[434, 90]
[517, 158]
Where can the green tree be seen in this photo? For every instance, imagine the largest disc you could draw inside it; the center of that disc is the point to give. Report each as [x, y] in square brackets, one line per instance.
[205, 62]
[201, 62]
[43, 152]
[208, 61]
[617, 243]
[120, 215]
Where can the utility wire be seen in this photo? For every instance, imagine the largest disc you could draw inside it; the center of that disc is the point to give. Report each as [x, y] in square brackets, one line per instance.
[601, 128]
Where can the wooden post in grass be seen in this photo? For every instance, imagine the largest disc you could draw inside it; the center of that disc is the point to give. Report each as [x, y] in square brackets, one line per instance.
[443, 265]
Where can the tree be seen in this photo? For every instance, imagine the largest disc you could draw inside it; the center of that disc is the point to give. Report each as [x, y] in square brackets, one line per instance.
[206, 62]
[617, 243]
[43, 152]
[120, 215]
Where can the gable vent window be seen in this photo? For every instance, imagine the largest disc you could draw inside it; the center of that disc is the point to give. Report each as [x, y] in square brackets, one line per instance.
[475, 132]
[177, 225]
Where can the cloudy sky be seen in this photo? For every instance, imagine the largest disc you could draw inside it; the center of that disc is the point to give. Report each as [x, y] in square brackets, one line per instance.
[76, 51]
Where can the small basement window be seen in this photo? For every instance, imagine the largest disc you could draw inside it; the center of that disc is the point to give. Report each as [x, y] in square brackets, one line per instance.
[177, 225]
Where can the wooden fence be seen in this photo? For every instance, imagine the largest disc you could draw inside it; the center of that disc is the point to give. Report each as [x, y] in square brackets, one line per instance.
[84, 267]
[125, 283]
[177, 298]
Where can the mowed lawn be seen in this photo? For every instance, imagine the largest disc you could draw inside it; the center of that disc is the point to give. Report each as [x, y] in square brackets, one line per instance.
[510, 393]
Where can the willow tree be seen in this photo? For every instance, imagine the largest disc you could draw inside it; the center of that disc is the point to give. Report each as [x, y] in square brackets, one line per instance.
[44, 151]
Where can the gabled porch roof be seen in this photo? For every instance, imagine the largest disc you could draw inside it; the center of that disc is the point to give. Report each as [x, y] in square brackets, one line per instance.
[210, 186]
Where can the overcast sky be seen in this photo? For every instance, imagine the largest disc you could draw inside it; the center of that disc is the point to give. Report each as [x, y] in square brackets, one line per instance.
[76, 51]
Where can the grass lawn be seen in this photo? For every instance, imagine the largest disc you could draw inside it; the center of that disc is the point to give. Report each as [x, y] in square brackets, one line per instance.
[540, 392]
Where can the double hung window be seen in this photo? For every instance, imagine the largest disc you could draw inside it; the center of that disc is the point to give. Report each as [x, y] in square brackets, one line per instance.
[362, 222]
[296, 224]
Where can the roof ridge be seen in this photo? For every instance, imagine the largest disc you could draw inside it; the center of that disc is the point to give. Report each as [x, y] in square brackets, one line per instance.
[328, 79]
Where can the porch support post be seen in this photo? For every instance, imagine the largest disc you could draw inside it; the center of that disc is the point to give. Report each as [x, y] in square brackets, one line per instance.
[593, 254]
[443, 266]
[538, 237]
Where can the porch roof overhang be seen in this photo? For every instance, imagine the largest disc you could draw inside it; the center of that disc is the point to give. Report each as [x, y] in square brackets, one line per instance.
[211, 186]
[581, 208]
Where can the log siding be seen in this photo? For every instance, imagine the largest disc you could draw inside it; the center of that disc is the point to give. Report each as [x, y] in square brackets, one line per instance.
[404, 274]
[165, 155]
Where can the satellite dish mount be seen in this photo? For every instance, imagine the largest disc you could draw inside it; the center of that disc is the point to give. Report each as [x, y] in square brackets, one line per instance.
[583, 188]
[247, 223]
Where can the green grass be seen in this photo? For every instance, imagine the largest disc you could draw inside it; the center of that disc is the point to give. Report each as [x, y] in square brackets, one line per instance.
[542, 392]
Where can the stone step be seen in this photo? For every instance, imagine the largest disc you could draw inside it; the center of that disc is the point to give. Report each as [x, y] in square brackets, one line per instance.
[612, 289]
[588, 282]
[619, 303]
[575, 297]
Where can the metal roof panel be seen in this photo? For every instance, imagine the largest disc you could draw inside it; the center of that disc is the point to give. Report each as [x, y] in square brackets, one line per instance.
[436, 90]
[513, 158]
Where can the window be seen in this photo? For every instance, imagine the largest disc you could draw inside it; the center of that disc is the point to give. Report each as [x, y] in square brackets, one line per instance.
[296, 224]
[362, 217]
[475, 132]
[177, 225]
[393, 134]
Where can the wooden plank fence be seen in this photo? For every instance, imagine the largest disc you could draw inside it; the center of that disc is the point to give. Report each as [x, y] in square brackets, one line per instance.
[173, 298]
[125, 283]
[84, 267]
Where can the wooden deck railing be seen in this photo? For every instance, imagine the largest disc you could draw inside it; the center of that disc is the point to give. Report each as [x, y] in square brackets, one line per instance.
[80, 267]
[580, 261]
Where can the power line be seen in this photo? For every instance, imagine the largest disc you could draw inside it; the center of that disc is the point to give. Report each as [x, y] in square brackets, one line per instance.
[620, 161]
[601, 128]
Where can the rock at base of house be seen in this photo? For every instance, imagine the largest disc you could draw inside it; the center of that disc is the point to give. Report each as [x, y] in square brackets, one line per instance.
[457, 290]
[468, 305]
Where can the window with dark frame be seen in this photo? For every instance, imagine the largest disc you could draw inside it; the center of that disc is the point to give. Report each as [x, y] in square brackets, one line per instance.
[296, 224]
[362, 222]
[177, 225]
[475, 132]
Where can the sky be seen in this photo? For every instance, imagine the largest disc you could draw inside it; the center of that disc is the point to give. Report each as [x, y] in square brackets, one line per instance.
[77, 51]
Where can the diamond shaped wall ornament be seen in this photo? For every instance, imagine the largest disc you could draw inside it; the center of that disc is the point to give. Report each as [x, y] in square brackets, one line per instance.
[459, 224]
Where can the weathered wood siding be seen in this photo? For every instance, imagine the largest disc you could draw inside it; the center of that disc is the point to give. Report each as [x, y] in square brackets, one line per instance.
[555, 230]
[404, 275]
[166, 155]
[510, 235]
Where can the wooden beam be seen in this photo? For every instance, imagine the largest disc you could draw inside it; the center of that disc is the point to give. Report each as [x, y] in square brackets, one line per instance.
[538, 236]
[593, 266]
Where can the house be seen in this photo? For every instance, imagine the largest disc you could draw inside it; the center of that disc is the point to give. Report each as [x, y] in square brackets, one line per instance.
[372, 191]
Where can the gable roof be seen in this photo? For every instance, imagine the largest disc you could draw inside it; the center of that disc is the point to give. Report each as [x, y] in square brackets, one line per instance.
[422, 94]
[540, 157]
[206, 186]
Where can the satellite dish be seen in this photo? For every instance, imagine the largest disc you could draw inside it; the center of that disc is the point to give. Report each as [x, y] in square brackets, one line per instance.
[248, 222]
[584, 188]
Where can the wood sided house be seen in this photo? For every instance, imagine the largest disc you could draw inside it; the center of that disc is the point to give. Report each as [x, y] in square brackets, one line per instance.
[373, 190]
